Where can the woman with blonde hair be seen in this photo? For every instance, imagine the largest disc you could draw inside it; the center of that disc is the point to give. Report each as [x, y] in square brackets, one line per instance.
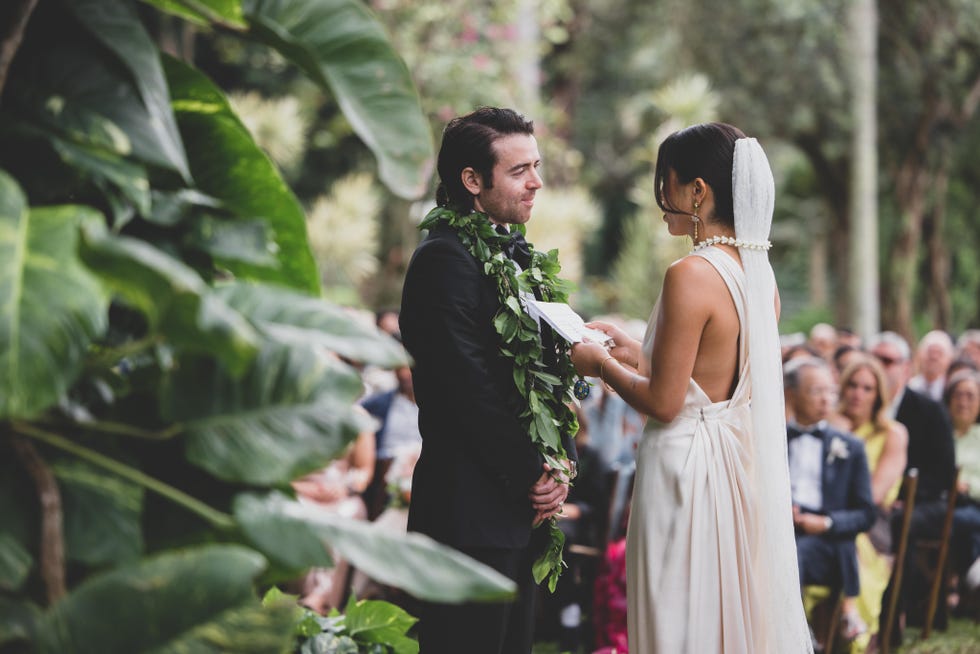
[864, 412]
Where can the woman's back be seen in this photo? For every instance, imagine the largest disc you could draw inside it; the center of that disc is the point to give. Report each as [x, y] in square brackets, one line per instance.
[716, 363]
[693, 533]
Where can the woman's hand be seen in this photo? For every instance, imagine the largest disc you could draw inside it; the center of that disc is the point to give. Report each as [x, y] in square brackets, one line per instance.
[587, 357]
[624, 348]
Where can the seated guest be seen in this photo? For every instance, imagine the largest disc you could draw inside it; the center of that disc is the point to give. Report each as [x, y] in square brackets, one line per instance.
[823, 340]
[847, 336]
[843, 356]
[930, 451]
[830, 485]
[398, 430]
[932, 359]
[336, 489]
[962, 397]
[968, 346]
[863, 404]
[962, 363]
[581, 519]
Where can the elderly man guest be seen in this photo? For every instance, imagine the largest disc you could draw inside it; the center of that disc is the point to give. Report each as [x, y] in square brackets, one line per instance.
[831, 487]
[932, 359]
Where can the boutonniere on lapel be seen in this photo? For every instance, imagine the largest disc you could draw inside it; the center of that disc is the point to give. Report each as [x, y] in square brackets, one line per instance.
[837, 449]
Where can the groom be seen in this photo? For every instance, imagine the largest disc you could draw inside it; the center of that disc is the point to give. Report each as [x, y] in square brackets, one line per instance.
[479, 484]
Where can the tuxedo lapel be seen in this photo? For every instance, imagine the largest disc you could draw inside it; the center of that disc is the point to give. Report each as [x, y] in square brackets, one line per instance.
[827, 470]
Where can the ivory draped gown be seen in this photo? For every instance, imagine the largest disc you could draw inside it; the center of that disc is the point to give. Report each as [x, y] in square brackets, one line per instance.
[692, 540]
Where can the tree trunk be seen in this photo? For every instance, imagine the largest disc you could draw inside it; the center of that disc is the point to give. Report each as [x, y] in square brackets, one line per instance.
[52, 541]
[862, 275]
[940, 304]
[819, 296]
[398, 238]
[13, 17]
[527, 62]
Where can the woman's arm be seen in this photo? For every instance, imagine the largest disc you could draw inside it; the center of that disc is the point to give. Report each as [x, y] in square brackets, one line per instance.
[626, 349]
[360, 461]
[891, 464]
[685, 307]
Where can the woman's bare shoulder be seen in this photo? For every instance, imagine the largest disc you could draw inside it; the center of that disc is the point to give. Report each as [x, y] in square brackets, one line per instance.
[898, 433]
[695, 280]
[692, 269]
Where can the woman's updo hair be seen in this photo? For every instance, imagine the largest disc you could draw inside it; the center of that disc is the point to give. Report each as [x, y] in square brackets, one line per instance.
[706, 151]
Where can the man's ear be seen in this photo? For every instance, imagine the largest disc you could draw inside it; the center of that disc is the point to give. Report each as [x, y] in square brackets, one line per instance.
[472, 180]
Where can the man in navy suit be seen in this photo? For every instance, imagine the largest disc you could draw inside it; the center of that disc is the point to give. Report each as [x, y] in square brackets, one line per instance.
[831, 487]
[480, 484]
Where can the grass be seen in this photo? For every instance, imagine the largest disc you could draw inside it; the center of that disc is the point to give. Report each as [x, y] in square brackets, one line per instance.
[962, 637]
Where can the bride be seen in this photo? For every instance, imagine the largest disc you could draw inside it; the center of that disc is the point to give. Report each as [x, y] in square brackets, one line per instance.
[711, 556]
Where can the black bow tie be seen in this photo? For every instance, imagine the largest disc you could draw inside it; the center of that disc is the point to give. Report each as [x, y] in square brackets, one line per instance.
[792, 431]
[516, 248]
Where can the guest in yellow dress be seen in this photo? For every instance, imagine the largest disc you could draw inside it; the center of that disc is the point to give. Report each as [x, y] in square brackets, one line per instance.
[863, 411]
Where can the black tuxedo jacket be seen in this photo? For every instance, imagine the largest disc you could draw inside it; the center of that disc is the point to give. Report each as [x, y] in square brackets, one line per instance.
[477, 464]
[931, 448]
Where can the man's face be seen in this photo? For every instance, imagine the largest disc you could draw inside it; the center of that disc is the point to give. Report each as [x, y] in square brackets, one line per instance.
[935, 359]
[814, 399]
[896, 368]
[971, 350]
[515, 181]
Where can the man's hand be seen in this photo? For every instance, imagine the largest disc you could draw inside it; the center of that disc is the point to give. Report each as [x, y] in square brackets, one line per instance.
[810, 523]
[547, 495]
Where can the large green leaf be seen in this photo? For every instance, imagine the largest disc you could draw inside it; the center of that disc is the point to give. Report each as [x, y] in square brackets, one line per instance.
[97, 503]
[18, 622]
[111, 174]
[15, 562]
[67, 83]
[50, 306]
[380, 622]
[118, 28]
[174, 298]
[246, 241]
[289, 414]
[297, 319]
[281, 528]
[204, 12]
[344, 48]
[198, 600]
[19, 524]
[228, 165]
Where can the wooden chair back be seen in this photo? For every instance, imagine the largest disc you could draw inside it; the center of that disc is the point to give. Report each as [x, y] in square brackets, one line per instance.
[908, 500]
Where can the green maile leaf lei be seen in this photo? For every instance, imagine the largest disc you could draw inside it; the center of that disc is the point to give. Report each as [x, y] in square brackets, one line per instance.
[547, 416]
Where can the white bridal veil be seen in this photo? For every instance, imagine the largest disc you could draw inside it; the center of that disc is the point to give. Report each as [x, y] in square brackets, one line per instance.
[778, 583]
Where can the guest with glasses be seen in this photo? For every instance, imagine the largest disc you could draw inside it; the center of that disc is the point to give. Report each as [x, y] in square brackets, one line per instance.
[930, 450]
[831, 488]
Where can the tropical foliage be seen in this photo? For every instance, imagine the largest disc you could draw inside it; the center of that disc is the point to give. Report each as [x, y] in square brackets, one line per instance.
[166, 364]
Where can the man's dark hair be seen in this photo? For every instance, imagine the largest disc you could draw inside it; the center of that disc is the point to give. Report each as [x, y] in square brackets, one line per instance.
[706, 151]
[468, 141]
